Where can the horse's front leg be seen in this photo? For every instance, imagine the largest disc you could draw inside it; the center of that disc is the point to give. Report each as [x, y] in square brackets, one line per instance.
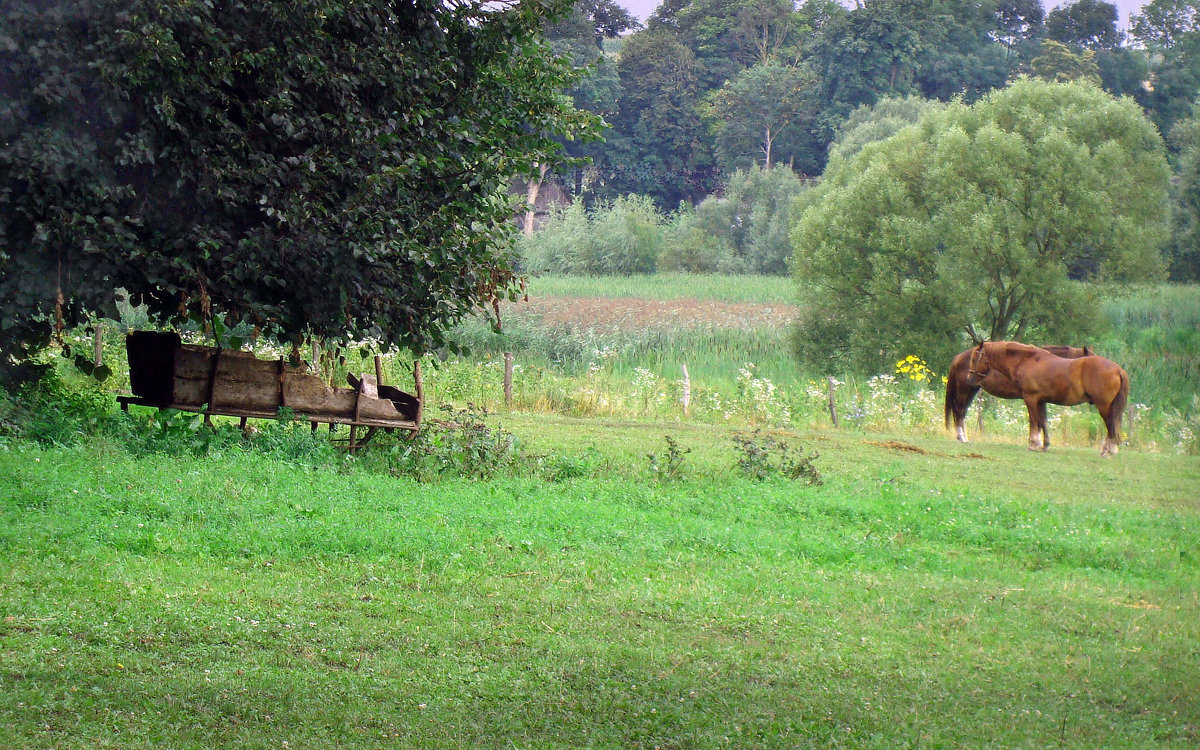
[1035, 423]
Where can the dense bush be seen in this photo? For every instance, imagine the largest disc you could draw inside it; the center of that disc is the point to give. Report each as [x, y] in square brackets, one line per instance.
[624, 237]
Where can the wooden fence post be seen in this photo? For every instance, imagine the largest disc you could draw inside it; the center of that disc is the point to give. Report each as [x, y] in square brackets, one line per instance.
[98, 344]
[508, 377]
[686, 398]
[832, 404]
[420, 386]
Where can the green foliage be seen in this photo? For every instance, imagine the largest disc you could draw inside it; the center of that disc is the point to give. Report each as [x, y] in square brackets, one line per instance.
[662, 150]
[51, 412]
[1185, 225]
[1058, 63]
[969, 226]
[745, 229]
[764, 116]
[620, 238]
[460, 445]
[763, 456]
[877, 122]
[1084, 25]
[668, 466]
[308, 167]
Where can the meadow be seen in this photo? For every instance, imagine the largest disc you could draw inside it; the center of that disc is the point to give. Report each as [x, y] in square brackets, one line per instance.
[924, 594]
[592, 568]
[616, 346]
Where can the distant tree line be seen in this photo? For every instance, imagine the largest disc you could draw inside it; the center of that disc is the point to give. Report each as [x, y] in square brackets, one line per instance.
[709, 87]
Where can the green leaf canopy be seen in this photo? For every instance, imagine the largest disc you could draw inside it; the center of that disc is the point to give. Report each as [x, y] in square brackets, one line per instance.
[970, 223]
[310, 166]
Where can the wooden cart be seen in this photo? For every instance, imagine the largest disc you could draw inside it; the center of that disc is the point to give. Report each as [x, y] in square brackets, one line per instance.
[168, 374]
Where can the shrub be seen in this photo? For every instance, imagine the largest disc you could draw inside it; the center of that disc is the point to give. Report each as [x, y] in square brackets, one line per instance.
[621, 238]
[763, 456]
[461, 445]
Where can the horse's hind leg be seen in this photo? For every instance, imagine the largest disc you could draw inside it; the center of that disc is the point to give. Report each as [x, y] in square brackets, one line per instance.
[1042, 426]
[1112, 423]
[1035, 424]
[961, 402]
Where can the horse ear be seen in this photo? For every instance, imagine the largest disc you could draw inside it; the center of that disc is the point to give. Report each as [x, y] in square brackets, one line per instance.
[1087, 351]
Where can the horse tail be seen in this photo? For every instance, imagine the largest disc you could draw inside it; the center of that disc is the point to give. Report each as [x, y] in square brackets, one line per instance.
[951, 397]
[1121, 399]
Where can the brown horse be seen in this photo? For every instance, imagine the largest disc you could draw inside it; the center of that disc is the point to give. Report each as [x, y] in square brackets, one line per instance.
[959, 394]
[1042, 378]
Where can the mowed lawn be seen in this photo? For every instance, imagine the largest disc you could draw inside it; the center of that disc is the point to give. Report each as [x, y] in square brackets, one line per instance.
[927, 594]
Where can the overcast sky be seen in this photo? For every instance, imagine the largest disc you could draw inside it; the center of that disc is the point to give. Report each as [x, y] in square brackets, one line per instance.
[643, 8]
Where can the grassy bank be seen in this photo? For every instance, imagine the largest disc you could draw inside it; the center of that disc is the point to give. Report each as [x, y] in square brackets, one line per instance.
[925, 594]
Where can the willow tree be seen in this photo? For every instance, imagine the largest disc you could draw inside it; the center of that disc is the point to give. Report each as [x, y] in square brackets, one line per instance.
[312, 167]
[975, 222]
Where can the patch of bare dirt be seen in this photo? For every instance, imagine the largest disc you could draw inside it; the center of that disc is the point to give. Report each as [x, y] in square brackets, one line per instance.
[626, 313]
[896, 445]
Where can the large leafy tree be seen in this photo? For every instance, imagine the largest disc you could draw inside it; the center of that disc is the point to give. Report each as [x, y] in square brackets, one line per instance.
[309, 166]
[1170, 30]
[970, 224]
[1162, 24]
[664, 154]
[1185, 236]
[764, 114]
[940, 49]
[1085, 24]
[1058, 63]
[728, 36]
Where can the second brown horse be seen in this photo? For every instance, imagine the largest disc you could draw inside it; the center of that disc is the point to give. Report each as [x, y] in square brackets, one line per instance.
[959, 393]
[1043, 378]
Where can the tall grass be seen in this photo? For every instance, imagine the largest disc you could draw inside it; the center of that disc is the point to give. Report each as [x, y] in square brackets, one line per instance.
[633, 369]
[1155, 336]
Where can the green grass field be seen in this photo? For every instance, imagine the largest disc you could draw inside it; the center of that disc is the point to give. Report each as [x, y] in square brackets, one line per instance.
[620, 581]
[927, 594]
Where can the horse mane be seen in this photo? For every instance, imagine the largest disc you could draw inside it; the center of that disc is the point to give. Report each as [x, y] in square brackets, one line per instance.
[1013, 353]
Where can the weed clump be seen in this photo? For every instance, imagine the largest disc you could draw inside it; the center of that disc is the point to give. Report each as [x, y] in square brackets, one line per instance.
[763, 456]
[668, 466]
[460, 445]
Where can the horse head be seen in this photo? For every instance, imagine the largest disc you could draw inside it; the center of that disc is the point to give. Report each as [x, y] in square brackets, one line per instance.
[979, 366]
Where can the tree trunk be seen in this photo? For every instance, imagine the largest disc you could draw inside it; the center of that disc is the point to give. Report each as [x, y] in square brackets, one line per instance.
[531, 195]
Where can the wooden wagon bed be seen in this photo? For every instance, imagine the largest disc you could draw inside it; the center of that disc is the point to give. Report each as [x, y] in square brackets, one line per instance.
[167, 374]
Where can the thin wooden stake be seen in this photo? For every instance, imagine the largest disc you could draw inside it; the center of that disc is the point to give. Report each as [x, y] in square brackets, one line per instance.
[98, 344]
[832, 404]
[686, 399]
[508, 378]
